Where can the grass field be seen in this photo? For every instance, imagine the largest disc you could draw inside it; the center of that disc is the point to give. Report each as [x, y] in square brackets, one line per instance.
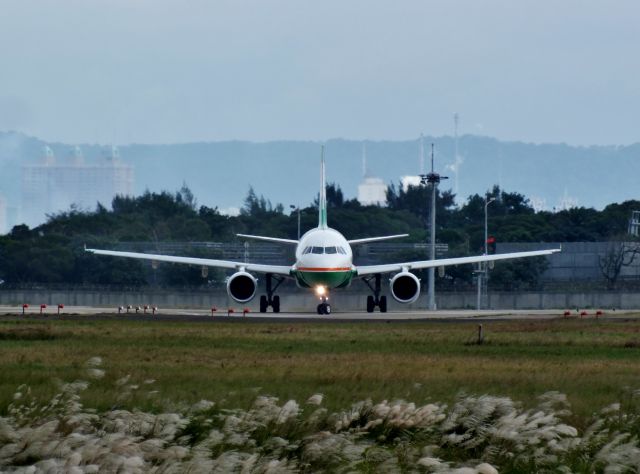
[392, 397]
[592, 362]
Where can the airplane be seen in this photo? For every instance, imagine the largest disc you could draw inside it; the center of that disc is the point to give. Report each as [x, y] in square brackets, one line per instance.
[324, 261]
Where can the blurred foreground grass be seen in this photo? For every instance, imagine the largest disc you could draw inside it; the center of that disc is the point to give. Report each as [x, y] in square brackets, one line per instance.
[592, 362]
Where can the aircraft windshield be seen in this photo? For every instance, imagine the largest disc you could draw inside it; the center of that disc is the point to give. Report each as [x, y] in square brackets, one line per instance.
[324, 250]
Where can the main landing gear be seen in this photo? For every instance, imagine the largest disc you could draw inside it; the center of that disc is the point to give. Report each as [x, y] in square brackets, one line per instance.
[270, 299]
[375, 299]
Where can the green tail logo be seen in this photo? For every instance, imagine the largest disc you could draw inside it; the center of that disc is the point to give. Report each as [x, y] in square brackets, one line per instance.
[322, 202]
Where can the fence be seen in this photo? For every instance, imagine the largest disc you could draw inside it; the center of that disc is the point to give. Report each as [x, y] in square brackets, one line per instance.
[305, 300]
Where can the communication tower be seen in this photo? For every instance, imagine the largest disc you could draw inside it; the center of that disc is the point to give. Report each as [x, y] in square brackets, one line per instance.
[432, 179]
[456, 156]
[364, 160]
[421, 164]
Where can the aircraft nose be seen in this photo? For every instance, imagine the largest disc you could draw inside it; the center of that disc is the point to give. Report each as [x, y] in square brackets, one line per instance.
[324, 260]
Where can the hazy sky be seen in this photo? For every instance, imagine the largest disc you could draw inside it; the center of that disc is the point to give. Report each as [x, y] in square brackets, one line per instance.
[164, 71]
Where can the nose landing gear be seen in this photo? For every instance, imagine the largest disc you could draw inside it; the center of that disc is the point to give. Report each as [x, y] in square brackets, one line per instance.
[375, 299]
[324, 307]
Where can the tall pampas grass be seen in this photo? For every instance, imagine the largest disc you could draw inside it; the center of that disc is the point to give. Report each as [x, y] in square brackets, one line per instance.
[475, 435]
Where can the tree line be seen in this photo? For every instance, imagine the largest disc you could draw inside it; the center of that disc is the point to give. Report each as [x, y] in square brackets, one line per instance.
[52, 253]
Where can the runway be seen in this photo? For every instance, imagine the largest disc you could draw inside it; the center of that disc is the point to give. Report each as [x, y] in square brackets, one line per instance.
[203, 315]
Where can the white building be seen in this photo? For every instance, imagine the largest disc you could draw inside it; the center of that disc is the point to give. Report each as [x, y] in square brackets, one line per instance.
[372, 192]
[54, 185]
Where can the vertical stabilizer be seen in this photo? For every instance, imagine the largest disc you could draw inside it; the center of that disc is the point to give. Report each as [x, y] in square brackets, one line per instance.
[322, 202]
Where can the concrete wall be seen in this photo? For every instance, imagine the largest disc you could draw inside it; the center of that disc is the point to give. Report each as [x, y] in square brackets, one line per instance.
[305, 301]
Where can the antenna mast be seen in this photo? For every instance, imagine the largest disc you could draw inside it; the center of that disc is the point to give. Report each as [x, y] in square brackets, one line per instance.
[432, 159]
[421, 164]
[364, 159]
[456, 158]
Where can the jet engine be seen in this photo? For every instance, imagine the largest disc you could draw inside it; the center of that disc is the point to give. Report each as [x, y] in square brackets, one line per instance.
[241, 286]
[405, 287]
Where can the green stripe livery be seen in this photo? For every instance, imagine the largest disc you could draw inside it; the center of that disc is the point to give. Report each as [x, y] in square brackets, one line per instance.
[337, 279]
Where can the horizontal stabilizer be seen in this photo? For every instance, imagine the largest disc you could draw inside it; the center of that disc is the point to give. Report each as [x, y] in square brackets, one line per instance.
[269, 239]
[376, 239]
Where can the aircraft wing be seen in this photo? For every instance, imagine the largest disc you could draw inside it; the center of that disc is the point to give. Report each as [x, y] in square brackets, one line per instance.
[376, 239]
[203, 262]
[397, 267]
[269, 239]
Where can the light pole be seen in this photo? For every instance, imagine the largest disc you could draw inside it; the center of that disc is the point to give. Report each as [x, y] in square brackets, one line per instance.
[483, 266]
[297, 208]
[486, 233]
[433, 179]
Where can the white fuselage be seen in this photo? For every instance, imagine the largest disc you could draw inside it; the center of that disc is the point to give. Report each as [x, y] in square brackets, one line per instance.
[323, 258]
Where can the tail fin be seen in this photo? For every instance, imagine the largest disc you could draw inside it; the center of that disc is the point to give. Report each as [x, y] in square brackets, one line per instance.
[322, 202]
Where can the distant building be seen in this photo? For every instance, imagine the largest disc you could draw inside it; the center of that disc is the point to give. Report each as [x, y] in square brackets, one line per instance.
[371, 191]
[539, 204]
[54, 185]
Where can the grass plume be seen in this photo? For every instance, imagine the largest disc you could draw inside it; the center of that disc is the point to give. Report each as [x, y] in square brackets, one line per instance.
[474, 435]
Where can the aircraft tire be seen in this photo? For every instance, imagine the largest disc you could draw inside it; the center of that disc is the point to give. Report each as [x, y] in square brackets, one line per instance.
[327, 308]
[320, 309]
[383, 304]
[275, 304]
[263, 304]
[370, 304]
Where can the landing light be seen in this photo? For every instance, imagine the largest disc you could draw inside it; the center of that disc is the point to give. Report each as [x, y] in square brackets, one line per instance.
[320, 290]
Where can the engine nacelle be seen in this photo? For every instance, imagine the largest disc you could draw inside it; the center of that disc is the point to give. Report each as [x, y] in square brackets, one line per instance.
[405, 287]
[242, 286]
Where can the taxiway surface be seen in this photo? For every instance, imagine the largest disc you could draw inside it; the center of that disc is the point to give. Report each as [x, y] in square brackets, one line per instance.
[204, 315]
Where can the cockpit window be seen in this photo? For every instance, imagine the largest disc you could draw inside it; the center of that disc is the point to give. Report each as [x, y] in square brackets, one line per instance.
[324, 250]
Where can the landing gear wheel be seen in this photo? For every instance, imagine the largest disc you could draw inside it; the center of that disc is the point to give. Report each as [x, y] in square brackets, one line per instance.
[375, 299]
[320, 309]
[327, 308]
[370, 304]
[383, 304]
[270, 299]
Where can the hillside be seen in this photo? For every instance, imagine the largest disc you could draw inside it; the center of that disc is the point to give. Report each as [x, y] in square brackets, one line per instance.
[220, 173]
